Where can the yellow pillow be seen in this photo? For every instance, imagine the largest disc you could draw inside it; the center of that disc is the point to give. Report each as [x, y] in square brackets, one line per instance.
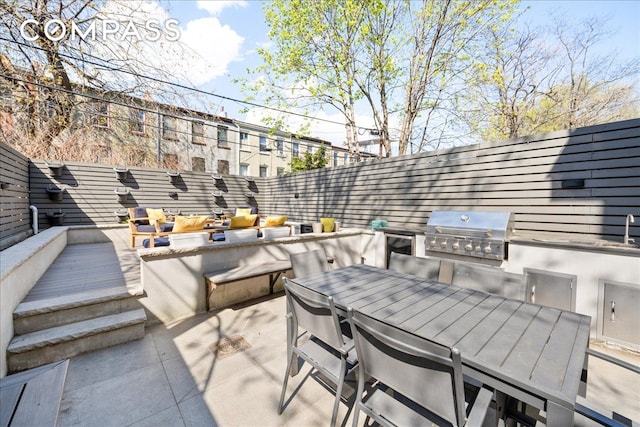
[275, 221]
[243, 211]
[327, 224]
[189, 223]
[156, 215]
[242, 221]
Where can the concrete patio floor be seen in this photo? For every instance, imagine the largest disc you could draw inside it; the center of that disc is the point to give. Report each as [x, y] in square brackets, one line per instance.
[173, 377]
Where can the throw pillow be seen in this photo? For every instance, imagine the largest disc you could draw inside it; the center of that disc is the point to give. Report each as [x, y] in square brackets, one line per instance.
[156, 215]
[275, 221]
[242, 221]
[243, 211]
[189, 223]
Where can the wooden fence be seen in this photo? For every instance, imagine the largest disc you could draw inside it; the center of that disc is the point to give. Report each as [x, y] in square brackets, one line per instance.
[578, 183]
[15, 220]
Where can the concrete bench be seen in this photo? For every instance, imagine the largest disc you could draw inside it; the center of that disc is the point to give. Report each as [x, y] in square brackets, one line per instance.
[215, 279]
[32, 398]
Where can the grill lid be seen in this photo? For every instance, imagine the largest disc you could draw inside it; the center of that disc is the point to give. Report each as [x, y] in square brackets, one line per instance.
[494, 225]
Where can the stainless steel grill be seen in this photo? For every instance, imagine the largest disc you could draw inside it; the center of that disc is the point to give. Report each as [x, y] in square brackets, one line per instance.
[470, 233]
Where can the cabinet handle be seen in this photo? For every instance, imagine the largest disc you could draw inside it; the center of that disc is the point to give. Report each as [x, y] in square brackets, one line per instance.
[613, 311]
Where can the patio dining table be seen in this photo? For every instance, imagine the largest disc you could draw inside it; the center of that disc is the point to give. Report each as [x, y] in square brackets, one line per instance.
[526, 352]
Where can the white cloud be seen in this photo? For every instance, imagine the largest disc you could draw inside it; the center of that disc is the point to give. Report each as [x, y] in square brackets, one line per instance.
[203, 52]
[214, 46]
[216, 7]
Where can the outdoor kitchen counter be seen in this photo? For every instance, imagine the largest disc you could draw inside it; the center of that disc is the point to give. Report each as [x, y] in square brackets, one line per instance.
[601, 246]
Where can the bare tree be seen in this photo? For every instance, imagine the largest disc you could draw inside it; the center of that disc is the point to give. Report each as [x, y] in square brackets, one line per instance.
[540, 80]
[57, 57]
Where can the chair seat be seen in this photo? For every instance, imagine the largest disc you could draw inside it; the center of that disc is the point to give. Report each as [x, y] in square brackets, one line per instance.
[158, 241]
[326, 359]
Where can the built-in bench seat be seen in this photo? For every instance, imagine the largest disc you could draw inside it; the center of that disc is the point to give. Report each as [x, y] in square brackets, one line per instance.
[32, 398]
[218, 278]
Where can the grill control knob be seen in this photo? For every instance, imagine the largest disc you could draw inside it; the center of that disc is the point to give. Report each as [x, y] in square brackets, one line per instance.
[468, 247]
[443, 244]
[486, 249]
[455, 246]
[432, 243]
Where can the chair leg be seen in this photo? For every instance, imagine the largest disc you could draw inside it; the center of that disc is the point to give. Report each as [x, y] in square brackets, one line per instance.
[359, 393]
[133, 241]
[336, 404]
[286, 380]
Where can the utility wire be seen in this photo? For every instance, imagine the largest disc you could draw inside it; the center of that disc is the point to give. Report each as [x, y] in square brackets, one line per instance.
[158, 127]
[178, 85]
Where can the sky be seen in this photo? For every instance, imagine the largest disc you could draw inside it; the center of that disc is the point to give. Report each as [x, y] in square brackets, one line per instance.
[226, 34]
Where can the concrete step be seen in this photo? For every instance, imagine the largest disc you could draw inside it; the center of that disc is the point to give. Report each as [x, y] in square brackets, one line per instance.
[60, 342]
[31, 316]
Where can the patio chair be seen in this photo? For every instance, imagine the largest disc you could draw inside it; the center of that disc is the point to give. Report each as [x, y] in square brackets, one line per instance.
[308, 263]
[325, 348]
[426, 268]
[419, 382]
[140, 225]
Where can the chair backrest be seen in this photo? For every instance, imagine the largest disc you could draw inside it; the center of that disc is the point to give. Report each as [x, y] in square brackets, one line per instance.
[308, 263]
[427, 268]
[488, 279]
[314, 312]
[426, 372]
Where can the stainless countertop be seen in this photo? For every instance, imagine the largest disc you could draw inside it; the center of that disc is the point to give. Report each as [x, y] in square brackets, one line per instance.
[603, 246]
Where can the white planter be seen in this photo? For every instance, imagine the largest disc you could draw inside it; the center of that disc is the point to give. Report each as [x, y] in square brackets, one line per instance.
[188, 240]
[240, 236]
[270, 233]
[317, 227]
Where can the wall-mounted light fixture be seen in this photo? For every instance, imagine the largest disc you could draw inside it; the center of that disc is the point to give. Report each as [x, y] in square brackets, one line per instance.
[573, 183]
[121, 172]
[173, 176]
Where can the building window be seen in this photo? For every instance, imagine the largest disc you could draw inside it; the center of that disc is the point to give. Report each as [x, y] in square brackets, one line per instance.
[198, 164]
[223, 140]
[169, 128]
[170, 161]
[263, 170]
[280, 171]
[98, 113]
[295, 149]
[346, 158]
[335, 158]
[263, 144]
[223, 167]
[244, 141]
[310, 149]
[280, 148]
[244, 169]
[197, 133]
[136, 121]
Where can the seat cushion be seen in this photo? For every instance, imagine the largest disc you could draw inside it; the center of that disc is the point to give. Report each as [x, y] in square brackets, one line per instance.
[146, 228]
[139, 212]
[167, 226]
[189, 223]
[158, 241]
